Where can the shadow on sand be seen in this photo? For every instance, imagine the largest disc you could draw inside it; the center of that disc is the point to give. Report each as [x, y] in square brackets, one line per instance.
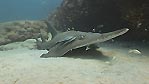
[87, 54]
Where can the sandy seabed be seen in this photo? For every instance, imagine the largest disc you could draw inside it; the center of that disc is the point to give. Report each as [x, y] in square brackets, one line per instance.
[20, 63]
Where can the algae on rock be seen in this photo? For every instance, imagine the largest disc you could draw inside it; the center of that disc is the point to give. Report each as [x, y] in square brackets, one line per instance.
[16, 31]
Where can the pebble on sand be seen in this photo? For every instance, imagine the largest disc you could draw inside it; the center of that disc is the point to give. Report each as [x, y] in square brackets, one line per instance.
[134, 51]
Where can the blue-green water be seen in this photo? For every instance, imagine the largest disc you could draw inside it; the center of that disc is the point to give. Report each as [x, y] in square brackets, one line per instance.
[26, 9]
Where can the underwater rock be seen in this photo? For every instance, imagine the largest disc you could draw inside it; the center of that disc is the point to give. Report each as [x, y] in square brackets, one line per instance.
[86, 15]
[28, 44]
[16, 31]
[134, 51]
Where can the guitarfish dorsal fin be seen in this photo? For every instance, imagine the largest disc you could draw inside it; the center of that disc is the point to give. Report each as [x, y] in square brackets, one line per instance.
[52, 29]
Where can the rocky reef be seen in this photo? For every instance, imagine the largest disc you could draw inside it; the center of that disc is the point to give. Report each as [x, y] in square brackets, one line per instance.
[22, 30]
[87, 16]
[104, 16]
